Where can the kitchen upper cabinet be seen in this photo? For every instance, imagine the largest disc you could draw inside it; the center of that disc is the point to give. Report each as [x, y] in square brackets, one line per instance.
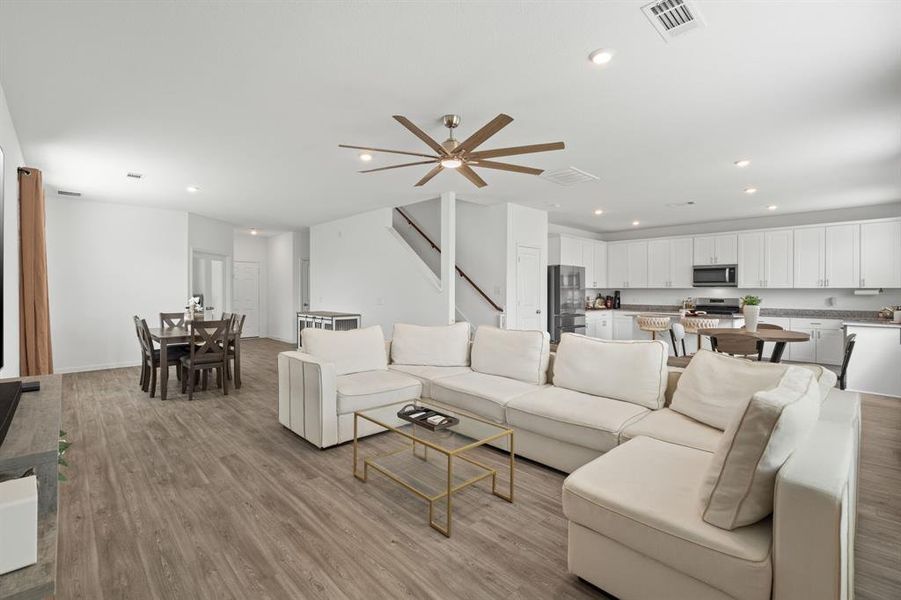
[600, 265]
[765, 259]
[880, 254]
[658, 263]
[751, 260]
[716, 250]
[779, 259]
[670, 263]
[842, 256]
[637, 265]
[810, 257]
[565, 250]
[588, 262]
[617, 265]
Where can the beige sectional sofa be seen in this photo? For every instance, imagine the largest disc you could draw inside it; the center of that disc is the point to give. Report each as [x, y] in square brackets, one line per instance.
[639, 440]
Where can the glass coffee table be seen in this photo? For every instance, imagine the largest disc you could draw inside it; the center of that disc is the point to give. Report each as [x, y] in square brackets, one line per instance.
[435, 464]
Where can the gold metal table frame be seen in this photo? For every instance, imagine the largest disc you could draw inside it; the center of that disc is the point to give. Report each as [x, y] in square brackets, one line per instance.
[420, 449]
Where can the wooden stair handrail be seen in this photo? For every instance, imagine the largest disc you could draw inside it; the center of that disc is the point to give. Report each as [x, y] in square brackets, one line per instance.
[437, 248]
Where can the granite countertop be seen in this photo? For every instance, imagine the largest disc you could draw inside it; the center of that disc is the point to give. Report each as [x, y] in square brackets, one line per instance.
[871, 323]
[851, 317]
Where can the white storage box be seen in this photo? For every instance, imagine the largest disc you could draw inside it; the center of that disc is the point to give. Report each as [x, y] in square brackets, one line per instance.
[18, 523]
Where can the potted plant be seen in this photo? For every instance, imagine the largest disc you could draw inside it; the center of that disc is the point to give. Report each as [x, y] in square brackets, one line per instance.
[751, 310]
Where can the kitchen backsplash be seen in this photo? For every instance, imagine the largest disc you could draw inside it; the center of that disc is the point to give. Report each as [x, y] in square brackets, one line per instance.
[772, 298]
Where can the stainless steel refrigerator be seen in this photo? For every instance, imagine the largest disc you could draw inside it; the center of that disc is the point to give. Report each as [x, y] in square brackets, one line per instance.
[566, 300]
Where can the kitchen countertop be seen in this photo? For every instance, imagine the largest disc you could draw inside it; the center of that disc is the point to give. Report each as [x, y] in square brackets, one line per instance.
[871, 323]
[860, 318]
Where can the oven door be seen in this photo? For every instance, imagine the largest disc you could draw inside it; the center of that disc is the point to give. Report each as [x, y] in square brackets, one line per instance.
[715, 276]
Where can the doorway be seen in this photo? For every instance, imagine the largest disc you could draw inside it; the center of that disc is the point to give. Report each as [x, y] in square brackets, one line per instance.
[208, 279]
[304, 291]
[247, 296]
[528, 288]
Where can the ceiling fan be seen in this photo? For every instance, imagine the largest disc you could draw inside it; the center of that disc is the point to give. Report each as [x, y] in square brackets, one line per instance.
[462, 156]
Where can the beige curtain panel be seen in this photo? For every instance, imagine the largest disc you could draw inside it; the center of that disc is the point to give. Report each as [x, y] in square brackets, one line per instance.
[36, 356]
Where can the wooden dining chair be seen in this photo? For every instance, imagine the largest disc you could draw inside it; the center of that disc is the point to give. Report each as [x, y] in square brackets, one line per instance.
[737, 344]
[172, 319]
[152, 358]
[142, 382]
[234, 348]
[849, 349]
[208, 351]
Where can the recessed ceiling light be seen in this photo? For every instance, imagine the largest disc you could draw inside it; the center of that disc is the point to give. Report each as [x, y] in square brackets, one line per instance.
[193, 189]
[365, 156]
[751, 190]
[253, 232]
[741, 164]
[772, 207]
[598, 211]
[601, 56]
[451, 163]
[635, 223]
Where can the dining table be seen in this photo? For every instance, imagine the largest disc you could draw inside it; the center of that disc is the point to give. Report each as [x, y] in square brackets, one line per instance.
[779, 337]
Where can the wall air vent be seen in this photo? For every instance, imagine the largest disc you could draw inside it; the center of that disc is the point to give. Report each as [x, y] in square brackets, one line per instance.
[568, 176]
[68, 193]
[673, 17]
[688, 204]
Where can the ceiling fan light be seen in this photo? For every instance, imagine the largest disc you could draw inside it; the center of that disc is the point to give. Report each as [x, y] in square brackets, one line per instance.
[451, 163]
[365, 156]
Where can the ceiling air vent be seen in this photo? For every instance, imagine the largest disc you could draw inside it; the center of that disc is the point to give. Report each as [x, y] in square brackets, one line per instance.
[568, 176]
[68, 193]
[673, 17]
[134, 175]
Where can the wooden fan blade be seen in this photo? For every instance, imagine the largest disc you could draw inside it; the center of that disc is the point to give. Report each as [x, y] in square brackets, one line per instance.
[471, 175]
[516, 150]
[438, 168]
[388, 151]
[421, 134]
[422, 162]
[490, 164]
[493, 126]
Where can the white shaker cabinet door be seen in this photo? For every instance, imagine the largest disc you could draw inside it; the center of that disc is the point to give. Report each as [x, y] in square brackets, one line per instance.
[779, 259]
[681, 263]
[810, 257]
[658, 263]
[842, 256]
[617, 267]
[751, 260]
[880, 254]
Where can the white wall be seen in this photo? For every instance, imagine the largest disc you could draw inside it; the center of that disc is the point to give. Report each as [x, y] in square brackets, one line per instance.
[360, 265]
[107, 262]
[526, 227]
[254, 248]
[12, 153]
[282, 288]
[212, 236]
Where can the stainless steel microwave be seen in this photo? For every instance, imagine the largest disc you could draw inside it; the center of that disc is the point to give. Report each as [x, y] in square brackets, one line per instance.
[715, 276]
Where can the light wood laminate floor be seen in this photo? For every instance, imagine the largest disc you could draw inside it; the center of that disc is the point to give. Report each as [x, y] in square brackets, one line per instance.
[215, 499]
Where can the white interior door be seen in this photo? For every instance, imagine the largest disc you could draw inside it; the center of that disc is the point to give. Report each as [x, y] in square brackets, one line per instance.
[304, 284]
[528, 288]
[247, 296]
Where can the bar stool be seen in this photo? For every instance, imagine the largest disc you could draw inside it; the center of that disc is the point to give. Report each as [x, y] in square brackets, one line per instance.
[695, 324]
[653, 324]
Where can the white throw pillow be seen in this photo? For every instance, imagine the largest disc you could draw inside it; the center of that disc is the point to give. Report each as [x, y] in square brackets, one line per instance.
[351, 351]
[629, 371]
[714, 386]
[741, 479]
[443, 346]
[521, 355]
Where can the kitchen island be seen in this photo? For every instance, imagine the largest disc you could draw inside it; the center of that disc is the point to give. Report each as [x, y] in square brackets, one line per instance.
[875, 365]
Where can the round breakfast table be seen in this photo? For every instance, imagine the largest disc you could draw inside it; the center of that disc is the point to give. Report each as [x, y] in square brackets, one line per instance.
[779, 337]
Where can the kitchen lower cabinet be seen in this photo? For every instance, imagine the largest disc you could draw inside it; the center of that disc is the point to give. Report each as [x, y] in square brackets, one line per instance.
[874, 366]
[599, 325]
[622, 327]
[825, 346]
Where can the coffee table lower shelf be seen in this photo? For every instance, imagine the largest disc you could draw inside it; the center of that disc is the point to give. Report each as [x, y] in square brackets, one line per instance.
[434, 473]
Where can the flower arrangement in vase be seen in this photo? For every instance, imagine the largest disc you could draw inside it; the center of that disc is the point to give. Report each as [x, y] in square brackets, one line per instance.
[751, 310]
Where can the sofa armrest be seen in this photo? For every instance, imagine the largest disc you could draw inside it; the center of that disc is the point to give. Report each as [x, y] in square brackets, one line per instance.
[672, 380]
[307, 397]
[814, 516]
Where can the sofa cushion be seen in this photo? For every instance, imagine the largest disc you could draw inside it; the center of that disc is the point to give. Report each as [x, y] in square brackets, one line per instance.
[427, 374]
[566, 415]
[444, 346]
[826, 378]
[480, 394]
[740, 481]
[714, 386]
[351, 351]
[521, 355]
[669, 426]
[629, 371]
[368, 389]
[643, 494]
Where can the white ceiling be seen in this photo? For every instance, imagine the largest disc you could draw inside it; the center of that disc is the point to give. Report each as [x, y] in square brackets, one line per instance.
[249, 100]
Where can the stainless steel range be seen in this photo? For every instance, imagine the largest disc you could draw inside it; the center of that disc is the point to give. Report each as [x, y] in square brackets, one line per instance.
[719, 306]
